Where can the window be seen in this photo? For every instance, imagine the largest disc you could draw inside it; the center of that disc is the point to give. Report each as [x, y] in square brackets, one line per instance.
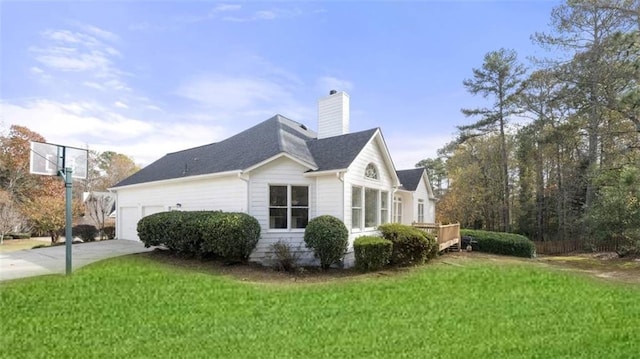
[299, 206]
[278, 207]
[371, 171]
[421, 211]
[370, 207]
[288, 207]
[384, 207]
[397, 209]
[356, 207]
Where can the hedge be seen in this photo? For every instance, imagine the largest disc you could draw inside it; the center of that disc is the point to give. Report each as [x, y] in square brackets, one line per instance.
[411, 246]
[14, 235]
[86, 232]
[372, 253]
[109, 232]
[328, 237]
[232, 236]
[502, 243]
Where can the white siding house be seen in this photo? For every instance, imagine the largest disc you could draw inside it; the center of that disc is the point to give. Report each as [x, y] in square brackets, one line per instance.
[282, 174]
[414, 201]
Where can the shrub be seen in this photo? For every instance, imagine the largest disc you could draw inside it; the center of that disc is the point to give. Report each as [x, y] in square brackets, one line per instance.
[434, 248]
[14, 235]
[109, 232]
[502, 243]
[179, 231]
[230, 235]
[372, 253]
[410, 245]
[202, 233]
[285, 258]
[86, 232]
[328, 237]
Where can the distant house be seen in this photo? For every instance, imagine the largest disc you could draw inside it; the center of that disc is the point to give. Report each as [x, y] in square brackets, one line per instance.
[414, 200]
[283, 174]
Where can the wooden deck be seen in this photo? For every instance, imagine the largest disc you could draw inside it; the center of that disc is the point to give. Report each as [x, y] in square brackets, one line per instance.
[447, 235]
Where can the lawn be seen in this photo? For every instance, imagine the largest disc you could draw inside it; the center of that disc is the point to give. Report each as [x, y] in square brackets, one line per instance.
[136, 307]
[10, 245]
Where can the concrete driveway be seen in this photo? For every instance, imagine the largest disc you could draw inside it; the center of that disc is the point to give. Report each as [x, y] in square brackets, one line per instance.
[51, 260]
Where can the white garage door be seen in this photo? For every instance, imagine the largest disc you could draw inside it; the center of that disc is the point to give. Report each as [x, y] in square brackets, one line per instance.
[128, 218]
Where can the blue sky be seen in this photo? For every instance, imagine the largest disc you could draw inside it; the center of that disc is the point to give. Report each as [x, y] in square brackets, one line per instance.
[146, 78]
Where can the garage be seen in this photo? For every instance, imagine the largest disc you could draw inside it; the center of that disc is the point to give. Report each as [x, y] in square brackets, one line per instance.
[128, 218]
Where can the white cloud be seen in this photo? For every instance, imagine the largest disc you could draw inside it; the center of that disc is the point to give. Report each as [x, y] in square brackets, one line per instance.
[327, 83]
[120, 104]
[89, 124]
[86, 52]
[271, 14]
[231, 93]
[227, 7]
[101, 33]
[94, 85]
[407, 148]
[212, 14]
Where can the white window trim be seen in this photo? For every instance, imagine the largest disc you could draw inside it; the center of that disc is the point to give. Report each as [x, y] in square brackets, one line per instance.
[363, 208]
[397, 209]
[420, 212]
[289, 207]
[375, 169]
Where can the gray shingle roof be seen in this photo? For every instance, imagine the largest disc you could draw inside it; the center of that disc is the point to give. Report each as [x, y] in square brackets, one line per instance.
[410, 178]
[250, 147]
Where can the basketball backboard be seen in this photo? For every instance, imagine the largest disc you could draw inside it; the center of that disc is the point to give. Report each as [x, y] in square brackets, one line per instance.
[48, 159]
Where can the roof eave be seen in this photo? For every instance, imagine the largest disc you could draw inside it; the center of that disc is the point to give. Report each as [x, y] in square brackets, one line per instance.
[176, 180]
[279, 155]
[324, 172]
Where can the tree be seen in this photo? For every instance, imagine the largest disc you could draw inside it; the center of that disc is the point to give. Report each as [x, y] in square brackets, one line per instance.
[616, 214]
[437, 172]
[10, 217]
[14, 170]
[99, 205]
[583, 28]
[499, 78]
[47, 215]
[114, 167]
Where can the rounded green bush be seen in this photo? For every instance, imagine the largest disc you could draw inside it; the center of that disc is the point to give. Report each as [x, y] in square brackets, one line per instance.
[328, 237]
[109, 232]
[502, 243]
[230, 235]
[86, 232]
[434, 248]
[410, 245]
[372, 253]
[179, 231]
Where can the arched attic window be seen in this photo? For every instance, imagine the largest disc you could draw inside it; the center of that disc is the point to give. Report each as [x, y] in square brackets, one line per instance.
[371, 171]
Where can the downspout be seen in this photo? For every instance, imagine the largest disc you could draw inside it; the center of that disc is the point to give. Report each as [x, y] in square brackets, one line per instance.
[340, 176]
[393, 203]
[245, 177]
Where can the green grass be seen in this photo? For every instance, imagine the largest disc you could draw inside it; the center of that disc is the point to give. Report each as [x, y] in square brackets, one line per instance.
[133, 307]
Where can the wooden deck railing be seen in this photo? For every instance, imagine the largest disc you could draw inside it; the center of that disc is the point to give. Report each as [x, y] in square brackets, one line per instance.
[446, 234]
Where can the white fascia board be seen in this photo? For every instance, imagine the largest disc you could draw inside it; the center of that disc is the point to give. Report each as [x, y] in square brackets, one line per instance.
[273, 158]
[385, 154]
[324, 173]
[176, 180]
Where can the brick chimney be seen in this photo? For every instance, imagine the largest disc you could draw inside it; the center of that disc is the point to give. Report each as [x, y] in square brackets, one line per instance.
[333, 114]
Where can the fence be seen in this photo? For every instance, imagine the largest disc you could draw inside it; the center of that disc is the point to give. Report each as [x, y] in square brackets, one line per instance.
[446, 234]
[575, 245]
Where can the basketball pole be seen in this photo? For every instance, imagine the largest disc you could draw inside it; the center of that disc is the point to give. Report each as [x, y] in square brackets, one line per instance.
[68, 236]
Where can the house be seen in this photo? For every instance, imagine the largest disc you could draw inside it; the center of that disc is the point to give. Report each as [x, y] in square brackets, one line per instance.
[414, 200]
[283, 174]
